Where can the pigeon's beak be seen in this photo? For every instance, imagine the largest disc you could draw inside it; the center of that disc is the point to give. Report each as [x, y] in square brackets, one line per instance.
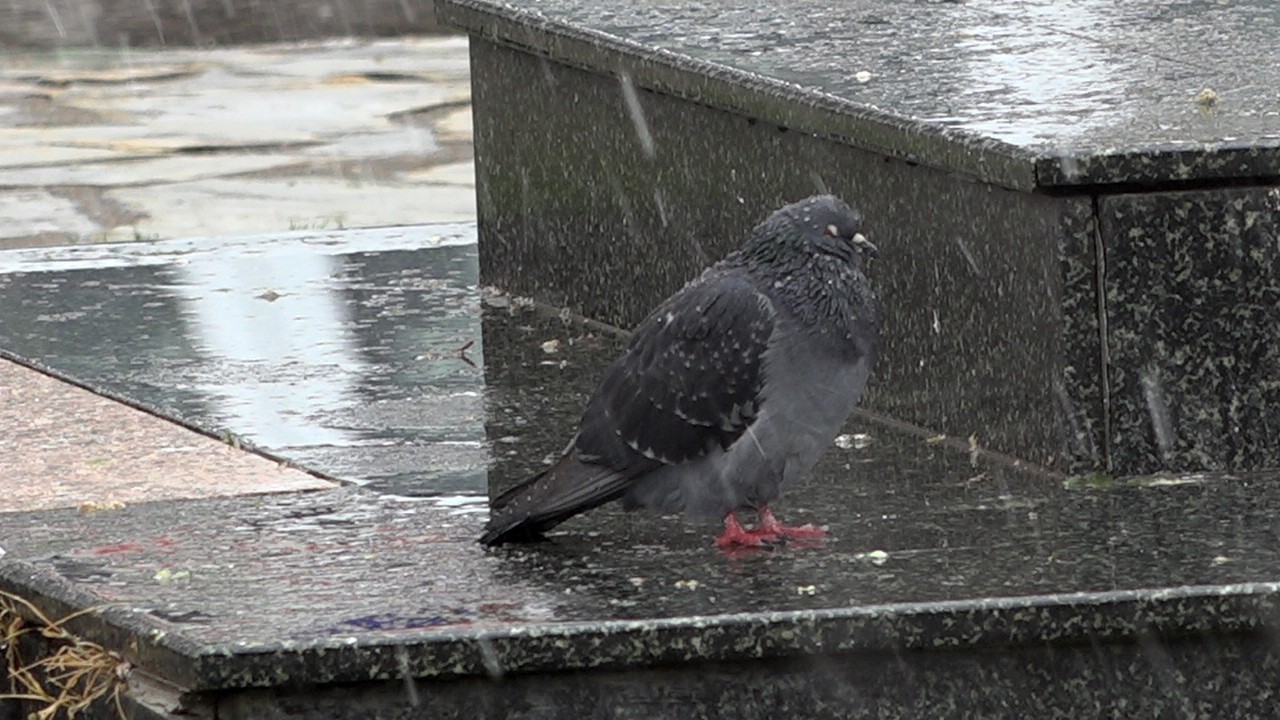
[861, 242]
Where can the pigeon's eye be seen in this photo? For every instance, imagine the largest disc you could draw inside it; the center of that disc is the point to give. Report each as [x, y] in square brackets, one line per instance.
[833, 231]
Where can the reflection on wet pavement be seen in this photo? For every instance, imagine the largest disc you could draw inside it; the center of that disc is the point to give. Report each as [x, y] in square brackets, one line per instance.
[339, 351]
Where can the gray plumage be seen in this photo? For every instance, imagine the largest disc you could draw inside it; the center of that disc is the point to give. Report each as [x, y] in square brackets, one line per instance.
[729, 390]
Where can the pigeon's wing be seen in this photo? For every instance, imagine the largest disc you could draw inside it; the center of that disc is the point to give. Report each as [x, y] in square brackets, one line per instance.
[689, 382]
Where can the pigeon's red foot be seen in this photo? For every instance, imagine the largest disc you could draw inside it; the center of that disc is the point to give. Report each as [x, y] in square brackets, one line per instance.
[736, 536]
[772, 529]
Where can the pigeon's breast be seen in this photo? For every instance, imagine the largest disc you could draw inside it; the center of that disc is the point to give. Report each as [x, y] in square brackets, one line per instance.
[812, 390]
[806, 400]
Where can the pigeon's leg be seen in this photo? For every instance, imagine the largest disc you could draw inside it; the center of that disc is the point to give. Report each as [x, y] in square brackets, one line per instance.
[735, 535]
[771, 528]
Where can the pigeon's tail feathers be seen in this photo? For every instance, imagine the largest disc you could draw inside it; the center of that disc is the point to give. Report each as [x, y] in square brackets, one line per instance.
[547, 499]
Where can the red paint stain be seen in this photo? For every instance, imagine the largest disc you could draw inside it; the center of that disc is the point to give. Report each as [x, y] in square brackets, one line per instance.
[156, 542]
[119, 548]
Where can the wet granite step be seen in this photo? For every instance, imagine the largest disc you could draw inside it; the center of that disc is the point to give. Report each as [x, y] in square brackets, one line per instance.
[943, 589]
[1076, 202]
[954, 582]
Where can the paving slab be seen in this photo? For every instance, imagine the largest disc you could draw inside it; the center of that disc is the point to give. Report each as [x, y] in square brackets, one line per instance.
[455, 125]
[326, 130]
[17, 155]
[337, 349]
[461, 174]
[244, 205]
[68, 447]
[33, 212]
[140, 171]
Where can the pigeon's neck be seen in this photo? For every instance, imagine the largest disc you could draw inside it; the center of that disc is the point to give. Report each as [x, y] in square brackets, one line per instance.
[829, 298]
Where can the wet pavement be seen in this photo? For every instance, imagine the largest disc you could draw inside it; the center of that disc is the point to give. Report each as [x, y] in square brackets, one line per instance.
[142, 144]
[340, 351]
[296, 141]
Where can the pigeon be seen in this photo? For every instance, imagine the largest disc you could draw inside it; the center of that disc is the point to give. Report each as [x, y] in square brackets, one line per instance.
[730, 390]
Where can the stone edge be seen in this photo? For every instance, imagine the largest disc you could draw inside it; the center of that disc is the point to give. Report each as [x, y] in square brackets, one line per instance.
[861, 126]
[745, 93]
[1087, 617]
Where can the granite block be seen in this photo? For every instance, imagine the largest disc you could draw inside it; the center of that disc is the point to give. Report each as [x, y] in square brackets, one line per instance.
[985, 170]
[972, 277]
[1193, 316]
[996, 590]
[1151, 678]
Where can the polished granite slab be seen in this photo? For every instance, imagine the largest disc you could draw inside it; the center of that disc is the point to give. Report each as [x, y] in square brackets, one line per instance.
[340, 350]
[1027, 94]
[926, 552]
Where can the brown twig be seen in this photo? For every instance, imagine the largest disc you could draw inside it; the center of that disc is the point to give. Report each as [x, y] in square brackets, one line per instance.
[76, 674]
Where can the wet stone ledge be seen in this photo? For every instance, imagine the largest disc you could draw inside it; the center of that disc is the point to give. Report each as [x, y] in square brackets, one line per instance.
[1076, 203]
[952, 583]
[943, 592]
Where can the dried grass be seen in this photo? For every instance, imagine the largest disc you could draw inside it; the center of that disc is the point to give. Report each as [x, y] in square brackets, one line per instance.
[75, 675]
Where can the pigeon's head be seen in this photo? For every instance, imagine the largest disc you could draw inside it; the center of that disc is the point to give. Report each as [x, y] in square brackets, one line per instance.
[822, 224]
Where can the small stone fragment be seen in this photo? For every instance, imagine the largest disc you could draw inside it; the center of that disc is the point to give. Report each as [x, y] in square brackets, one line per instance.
[875, 557]
[852, 440]
[166, 576]
[92, 506]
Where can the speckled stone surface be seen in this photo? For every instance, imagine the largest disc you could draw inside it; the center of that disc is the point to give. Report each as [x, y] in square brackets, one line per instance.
[352, 586]
[1193, 312]
[985, 162]
[1151, 679]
